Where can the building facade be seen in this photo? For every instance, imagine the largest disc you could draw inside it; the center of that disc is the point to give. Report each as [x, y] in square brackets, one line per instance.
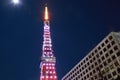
[101, 63]
[48, 60]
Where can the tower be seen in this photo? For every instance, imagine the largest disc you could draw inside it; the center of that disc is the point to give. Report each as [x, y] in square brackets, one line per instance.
[48, 60]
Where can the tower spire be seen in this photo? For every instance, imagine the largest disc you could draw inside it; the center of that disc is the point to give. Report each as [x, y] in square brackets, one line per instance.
[46, 17]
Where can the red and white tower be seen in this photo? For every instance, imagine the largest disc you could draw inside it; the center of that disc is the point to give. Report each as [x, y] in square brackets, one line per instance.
[48, 71]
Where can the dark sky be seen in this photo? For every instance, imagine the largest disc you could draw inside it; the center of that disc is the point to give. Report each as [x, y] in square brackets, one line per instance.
[77, 26]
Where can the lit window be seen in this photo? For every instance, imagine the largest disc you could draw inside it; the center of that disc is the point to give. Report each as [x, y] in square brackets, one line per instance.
[51, 76]
[54, 72]
[46, 76]
[55, 76]
[50, 71]
[46, 71]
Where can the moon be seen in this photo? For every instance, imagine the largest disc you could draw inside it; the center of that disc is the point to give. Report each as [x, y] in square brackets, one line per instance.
[16, 1]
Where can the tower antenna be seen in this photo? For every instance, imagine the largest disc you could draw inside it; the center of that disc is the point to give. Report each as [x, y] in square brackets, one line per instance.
[46, 17]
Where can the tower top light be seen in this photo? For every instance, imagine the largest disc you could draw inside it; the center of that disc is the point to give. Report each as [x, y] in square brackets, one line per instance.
[46, 13]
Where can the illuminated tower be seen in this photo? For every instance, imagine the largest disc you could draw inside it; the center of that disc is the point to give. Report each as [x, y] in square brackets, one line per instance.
[48, 60]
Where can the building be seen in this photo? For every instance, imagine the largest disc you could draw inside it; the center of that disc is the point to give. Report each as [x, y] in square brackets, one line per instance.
[101, 63]
[48, 60]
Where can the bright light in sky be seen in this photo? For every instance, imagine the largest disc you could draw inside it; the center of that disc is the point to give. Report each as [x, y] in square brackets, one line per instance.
[16, 1]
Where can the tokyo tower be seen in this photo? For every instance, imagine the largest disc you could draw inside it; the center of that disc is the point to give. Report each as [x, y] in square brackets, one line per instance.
[48, 59]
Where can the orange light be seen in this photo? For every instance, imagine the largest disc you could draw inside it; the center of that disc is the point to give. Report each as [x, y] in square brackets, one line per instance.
[46, 13]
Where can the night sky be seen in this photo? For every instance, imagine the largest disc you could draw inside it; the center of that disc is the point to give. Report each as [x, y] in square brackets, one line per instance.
[77, 26]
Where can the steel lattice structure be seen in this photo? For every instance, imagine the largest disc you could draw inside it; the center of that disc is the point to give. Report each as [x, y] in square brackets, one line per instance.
[48, 60]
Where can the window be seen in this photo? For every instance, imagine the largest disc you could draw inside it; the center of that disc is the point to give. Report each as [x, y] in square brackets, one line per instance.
[95, 77]
[95, 63]
[103, 57]
[93, 71]
[114, 73]
[82, 67]
[106, 69]
[103, 44]
[88, 63]
[86, 59]
[80, 70]
[109, 76]
[115, 48]
[99, 60]
[86, 70]
[109, 60]
[97, 68]
[101, 66]
[96, 51]
[113, 42]
[92, 66]
[103, 72]
[105, 78]
[108, 46]
[92, 54]
[111, 66]
[118, 70]
[97, 55]
[118, 53]
[105, 63]
[101, 52]
[90, 73]
[104, 49]
[81, 63]
[85, 66]
[91, 61]
[92, 78]
[106, 55]
[110, 37]
[111, 51]
[89, 56]
[75, 73]
[83, 72]
[93, 58]
[76, 78]
[106, 41]
[116, 64]
[89, 68]
[113, 57]
[99, 48]
[87, 75]
[76, 67]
